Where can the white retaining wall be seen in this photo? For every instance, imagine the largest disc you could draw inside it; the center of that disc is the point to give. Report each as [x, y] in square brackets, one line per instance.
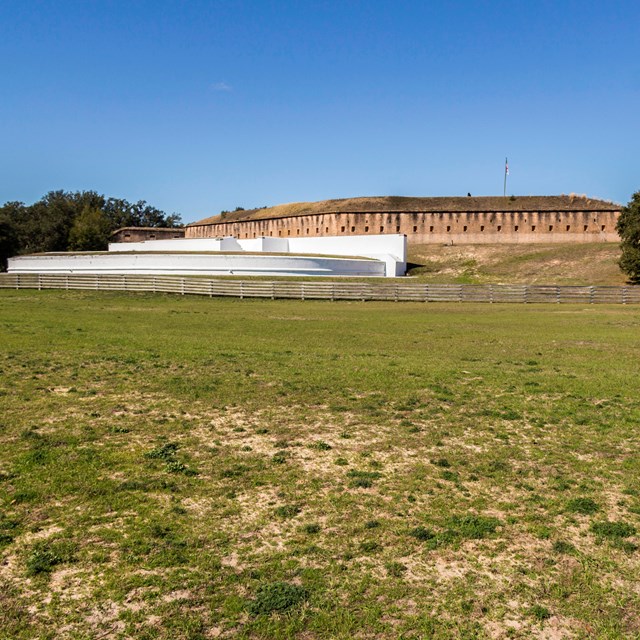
[194, 264]
[388, 248]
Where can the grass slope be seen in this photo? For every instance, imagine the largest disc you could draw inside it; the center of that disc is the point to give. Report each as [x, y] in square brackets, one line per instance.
[192, 468]
[403, 204]
[565, 264]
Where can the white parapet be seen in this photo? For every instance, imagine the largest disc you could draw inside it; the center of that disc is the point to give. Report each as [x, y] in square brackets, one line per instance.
[388, 248]
[191, 263]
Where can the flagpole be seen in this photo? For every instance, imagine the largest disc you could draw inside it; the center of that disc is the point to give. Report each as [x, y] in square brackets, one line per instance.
[506, 164]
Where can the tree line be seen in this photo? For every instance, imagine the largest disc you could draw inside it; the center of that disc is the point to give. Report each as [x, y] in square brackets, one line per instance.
[72, 221]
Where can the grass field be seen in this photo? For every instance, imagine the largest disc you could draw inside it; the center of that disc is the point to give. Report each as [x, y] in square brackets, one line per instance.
[563, 264]
[192, 468]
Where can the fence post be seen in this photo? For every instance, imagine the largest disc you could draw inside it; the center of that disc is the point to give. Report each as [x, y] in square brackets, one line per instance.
[624, 295]
[302, 291]
[241, 290]
[557, 295]
[273, 290]
[592, 294]
[490, 294]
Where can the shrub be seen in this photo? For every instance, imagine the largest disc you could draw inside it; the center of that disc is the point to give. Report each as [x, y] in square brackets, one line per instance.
[628, 227]
[322, 446]
[277, 596]
[369, 546]
[311, 528]
[371, 524]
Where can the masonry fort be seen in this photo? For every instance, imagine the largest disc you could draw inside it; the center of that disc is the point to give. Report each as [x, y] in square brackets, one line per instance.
[448, 220]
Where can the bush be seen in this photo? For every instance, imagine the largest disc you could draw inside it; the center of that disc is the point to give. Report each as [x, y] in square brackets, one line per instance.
[628, 228]
[277, 596]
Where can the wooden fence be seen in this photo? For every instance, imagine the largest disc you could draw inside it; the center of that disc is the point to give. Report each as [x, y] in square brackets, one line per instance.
[397, 291]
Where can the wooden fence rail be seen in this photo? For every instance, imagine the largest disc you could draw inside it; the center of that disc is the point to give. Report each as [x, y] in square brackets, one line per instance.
[394, 291]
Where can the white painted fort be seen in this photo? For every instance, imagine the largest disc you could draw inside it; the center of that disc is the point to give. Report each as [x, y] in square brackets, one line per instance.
[362, 256]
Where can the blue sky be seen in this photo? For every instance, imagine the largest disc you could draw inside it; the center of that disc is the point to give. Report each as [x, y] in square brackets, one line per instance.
[201, 106]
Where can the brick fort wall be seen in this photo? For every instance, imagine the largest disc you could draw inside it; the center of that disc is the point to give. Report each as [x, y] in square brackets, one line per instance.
[430, 227]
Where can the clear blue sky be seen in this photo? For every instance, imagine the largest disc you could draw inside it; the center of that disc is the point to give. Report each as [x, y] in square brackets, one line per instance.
[198, 106]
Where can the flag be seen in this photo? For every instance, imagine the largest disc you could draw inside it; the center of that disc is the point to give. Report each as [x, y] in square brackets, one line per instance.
[506, 168]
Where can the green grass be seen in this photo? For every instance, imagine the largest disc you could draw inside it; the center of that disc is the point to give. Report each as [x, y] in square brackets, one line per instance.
[175, 467]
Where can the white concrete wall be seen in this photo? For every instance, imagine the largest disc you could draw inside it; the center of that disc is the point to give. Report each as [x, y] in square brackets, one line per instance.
[194, 264]
[175, 244]
[390, 249]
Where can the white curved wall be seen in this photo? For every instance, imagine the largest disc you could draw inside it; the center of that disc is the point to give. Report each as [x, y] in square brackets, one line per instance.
[389, 248]
[195, 264]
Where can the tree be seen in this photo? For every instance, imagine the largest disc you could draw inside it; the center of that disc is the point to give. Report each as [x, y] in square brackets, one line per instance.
[81, 220]
[8, 241]
[90, 231]
[628, 228]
